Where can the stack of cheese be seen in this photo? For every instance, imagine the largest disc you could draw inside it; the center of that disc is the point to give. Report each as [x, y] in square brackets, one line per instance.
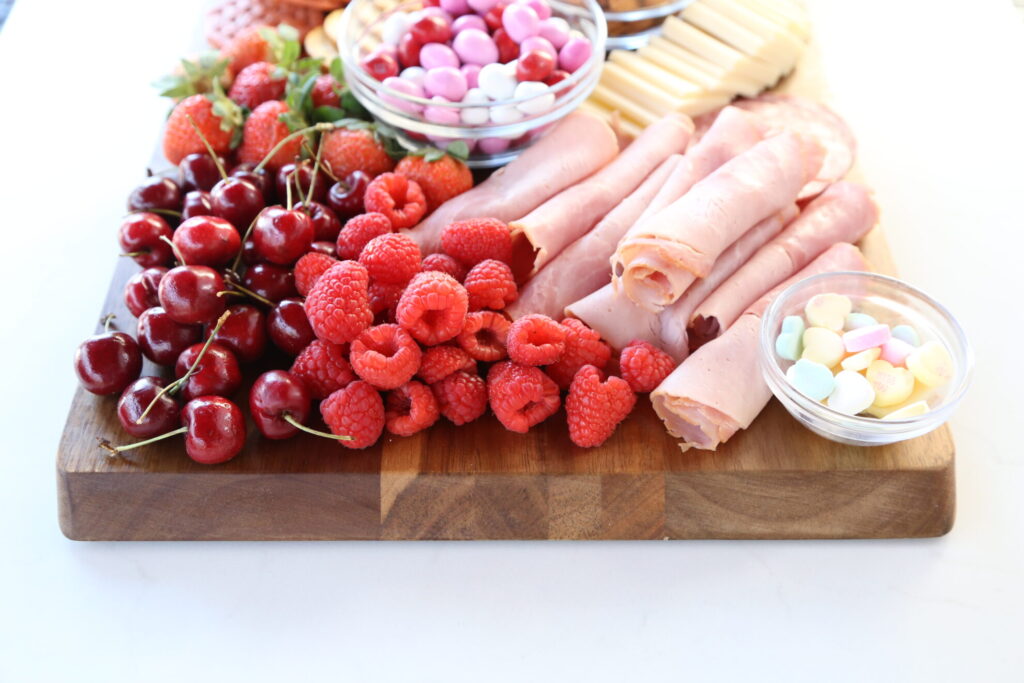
[713, 51]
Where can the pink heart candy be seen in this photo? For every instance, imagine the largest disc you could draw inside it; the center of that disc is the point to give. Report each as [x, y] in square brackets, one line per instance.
[864, 338]
[895, 351]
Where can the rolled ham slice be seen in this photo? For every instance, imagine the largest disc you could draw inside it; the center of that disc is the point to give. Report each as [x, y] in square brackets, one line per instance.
[657, 262]
[617, 319]
[581, 144]
[845, 212]
[719, 390]
[567, 216]
[582, 267]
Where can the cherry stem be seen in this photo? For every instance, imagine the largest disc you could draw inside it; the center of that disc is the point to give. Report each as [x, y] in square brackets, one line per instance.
[249, 292]
[106, 321]
[330, 171]
[209, 148]
[316, 167]
[238, 257]
[287, 417]
[174, 386]
[319, 127]
[174, 248]
[168, 212]
[228, 292]
[116, 450]
[133, 254]
[288, 190]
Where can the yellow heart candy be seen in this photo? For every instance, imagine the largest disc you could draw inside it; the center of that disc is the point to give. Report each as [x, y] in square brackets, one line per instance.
[828, 311]
[920, 394]
[931, 364]
[892, 385]
[908, 411]
[822, 346]
[859, 362]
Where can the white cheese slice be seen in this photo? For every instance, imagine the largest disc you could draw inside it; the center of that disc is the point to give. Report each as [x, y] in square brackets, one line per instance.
[617, 120]
[756, 22]
[635, 88]
[793, 19]
[632, 110]
[724, 79]
[702, 104]
[697, 41]
[770, 47]
[656, 74]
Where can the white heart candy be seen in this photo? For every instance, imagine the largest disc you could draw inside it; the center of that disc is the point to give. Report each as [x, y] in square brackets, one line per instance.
[852, 393]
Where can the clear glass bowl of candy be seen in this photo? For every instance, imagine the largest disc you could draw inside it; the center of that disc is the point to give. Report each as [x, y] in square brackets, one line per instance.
[864, 359]
[494, 76]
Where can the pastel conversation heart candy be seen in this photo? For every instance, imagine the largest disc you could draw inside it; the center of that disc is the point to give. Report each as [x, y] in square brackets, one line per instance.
[892, 385]
[789, 343]
[908, 411]
[852, 394]
[828, 311]
[858, 320]
[866, 337]
[907, 334]
[822, 346]
[896, 351]
[811, 379]
[931, 364]
[919, 394]
[859, 362]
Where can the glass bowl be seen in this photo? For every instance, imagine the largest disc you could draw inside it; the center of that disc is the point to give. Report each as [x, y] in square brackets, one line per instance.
[890, 301]
[632, 23]
[491, 144]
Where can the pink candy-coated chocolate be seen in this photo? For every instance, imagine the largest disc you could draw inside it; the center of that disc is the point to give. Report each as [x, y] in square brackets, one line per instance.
[895, 351]
[433, 55]
[447, 82]
[493, 145]
[539, 6]
[455, 7]
[468, 21]
[416, 74]
[446, 116]
[575, 53]
[520, 22]
[482, 7]
[555, 30]
[474, 46]
[864, 338]
[408, 87]
[472, 74]
[538, 43]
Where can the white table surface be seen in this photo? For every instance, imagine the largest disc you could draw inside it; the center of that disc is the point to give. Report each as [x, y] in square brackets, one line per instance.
[933, 90]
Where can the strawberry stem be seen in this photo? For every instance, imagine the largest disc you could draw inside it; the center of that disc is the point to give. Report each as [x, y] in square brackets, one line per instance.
[209, 148]
[309, 430]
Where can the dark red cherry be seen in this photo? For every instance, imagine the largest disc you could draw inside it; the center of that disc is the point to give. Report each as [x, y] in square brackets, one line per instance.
[244, 332]
[197, 203]
[162, 339]
[139, 235]
[207, 241]
[164, 416]
[263, 179]
[273, 395]
[289, 327]
[217, 374]
[108, 362]
[282, 235]
[216, 429]
[346, 197]
[189, 294]
[324, 248]
[157, 192]
[326, 225]
[302, 172]
[237, 201]
[140, 292]
[199, 172]
[249, 254]
[270, 281]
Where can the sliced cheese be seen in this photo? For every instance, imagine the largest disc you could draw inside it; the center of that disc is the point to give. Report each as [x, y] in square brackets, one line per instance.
[702, 104]
[618, 121]
[724, 80]
[636, 88]
[794, 21]
[700, 43]
[633, 110]
[770, 47]
[756, 22]
[654, 52]
[655, 74]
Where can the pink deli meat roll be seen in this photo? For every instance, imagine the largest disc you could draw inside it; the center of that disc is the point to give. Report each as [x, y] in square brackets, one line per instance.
[577, 147]
[657, 262]
[544, 232]
[719, 390]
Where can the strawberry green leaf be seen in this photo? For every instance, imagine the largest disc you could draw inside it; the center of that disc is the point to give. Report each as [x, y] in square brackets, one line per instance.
[326, 114]
[351, 105]
[289, 33]
[337, 70]
[432, 154]
[458, 149]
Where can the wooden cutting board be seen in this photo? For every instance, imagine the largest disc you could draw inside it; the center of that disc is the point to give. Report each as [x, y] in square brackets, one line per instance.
[479, 481]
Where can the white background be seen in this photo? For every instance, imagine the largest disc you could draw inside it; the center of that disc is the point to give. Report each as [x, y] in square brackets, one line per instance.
[933, 90]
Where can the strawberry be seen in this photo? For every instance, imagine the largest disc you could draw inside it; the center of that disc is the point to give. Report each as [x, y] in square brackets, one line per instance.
[258, 83]
[263, 130]
[441, 176]
[217, 118]
[355, 146]
[247, 47]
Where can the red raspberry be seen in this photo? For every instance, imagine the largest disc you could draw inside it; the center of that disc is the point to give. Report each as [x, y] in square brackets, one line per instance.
[472, 241]
[644, 366]
[484, 335]
[338, 306]
[356, 411]
[322, 366]
[445, 264]
[391, 258]
[384, 297]
[386, 356]
[358, 231]
[490, 284]
[410, 408]
[521, 395]
[309, 268]
[536, 340]
[398, 198]
[440, 361]
[461, 396]
[433, 308]
[583, 346]
[595, 408]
